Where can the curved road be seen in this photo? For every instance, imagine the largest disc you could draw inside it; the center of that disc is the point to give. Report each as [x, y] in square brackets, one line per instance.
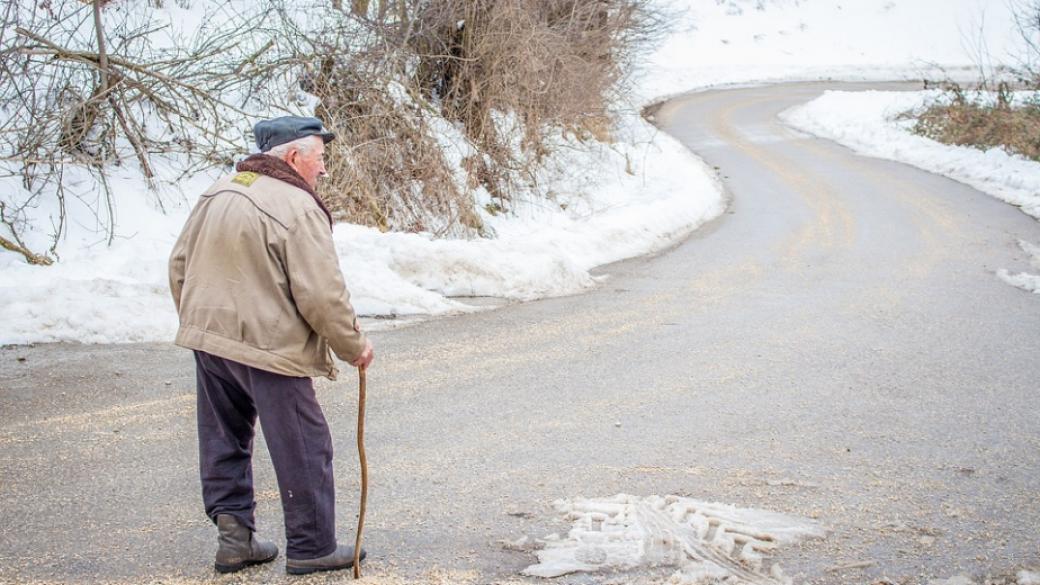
[835, 346]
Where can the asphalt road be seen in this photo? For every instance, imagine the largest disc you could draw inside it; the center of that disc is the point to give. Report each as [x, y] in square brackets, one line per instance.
[835, 346]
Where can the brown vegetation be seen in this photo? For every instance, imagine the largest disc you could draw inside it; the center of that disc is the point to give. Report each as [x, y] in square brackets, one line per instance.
[497, 68]
[971, 122]
[968, 118]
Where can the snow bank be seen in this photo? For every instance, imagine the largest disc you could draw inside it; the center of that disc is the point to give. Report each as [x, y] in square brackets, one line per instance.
[599, 214]
[96, 292]
[703, 542]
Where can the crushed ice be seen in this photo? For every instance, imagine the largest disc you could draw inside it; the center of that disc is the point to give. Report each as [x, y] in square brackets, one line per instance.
[704, 542]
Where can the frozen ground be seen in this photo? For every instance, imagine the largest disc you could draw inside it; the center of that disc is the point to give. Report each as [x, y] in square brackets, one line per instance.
[875, 123]
[608, 202]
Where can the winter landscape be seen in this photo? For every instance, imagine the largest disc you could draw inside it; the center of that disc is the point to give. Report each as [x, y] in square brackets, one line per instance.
[741, 317]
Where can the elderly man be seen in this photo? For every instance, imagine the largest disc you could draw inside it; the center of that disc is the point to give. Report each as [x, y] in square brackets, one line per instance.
[261, 300]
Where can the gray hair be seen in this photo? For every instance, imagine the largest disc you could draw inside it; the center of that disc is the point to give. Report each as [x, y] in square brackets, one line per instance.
[303, 145]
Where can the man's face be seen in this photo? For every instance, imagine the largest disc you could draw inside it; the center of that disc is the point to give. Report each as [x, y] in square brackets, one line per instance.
[309, 163]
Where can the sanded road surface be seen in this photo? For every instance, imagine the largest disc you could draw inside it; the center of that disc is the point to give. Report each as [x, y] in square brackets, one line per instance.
[835, 346]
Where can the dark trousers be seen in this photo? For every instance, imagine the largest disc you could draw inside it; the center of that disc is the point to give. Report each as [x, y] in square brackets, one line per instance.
[230, 397]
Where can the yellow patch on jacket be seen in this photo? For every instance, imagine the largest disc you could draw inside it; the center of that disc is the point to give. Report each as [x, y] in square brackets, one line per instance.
[246, 178]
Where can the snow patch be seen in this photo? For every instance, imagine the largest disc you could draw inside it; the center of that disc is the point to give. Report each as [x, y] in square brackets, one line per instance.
[704, 542]
[1023, 280]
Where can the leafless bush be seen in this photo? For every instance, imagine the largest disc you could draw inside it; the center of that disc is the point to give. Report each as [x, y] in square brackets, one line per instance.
[386, 74]
[387, 168]
[87, 85]
[93, 85]
[550, 63]
[989, 116]
[968, 121]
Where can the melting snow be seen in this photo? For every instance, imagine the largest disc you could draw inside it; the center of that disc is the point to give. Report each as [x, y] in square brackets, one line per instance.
[1025, 280]
[704, 542]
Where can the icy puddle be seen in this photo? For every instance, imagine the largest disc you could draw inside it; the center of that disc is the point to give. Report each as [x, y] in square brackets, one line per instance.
[704, 542]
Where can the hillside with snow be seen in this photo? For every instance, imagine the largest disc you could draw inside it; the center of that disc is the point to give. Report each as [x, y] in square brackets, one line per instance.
[609, 201]
[720, 42]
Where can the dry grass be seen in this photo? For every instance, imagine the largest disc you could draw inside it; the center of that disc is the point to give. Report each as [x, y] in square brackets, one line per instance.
[386, 169]
[497, 69]
[965, 119]
[967, 122]
[553, 64]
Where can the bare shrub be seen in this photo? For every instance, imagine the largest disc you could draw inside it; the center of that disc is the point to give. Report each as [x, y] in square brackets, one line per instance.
[387, 74]
[86, 85]
[550, 63]
[91, 85]
[389, 171]
[988, 116]
[968, 121]
[387, 168]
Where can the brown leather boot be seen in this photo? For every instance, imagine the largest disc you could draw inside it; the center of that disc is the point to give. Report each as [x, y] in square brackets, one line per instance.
[238, 547]
[341, 558]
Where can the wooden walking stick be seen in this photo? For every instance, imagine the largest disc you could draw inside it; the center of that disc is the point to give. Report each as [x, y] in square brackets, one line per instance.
[364, 470]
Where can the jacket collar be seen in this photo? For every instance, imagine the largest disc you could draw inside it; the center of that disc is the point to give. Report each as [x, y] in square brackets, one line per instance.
[277, 168]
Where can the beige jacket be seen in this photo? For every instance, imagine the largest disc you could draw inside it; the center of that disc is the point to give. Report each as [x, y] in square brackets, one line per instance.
[256, 279]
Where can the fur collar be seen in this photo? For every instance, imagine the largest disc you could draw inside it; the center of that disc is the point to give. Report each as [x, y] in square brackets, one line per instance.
[277, 168]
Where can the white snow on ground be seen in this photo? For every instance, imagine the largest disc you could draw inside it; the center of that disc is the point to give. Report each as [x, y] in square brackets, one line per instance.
[545, 250]
[97, 293]
[1024, 280]
[871, 123]
[704, 542]
[720, 42]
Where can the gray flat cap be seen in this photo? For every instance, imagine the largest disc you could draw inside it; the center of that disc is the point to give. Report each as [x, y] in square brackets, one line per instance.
[271, 133]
